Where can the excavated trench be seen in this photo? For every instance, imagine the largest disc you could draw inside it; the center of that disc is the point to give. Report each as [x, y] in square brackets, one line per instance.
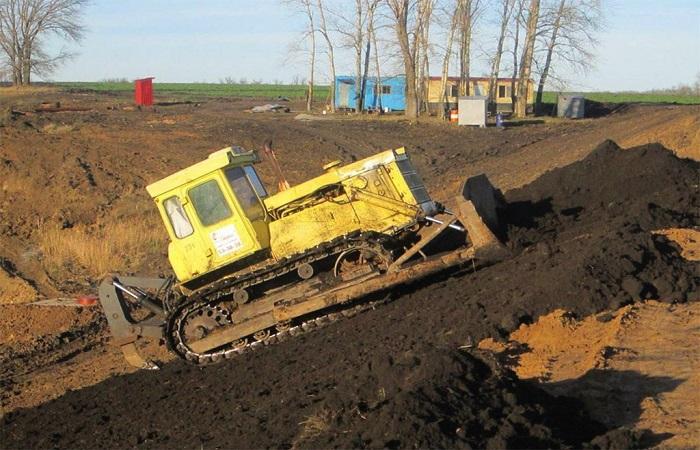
[406, 374]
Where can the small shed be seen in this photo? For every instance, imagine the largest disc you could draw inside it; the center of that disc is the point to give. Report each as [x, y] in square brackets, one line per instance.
[472, 110]
[143, 91]
[571, 106]
[389, 94]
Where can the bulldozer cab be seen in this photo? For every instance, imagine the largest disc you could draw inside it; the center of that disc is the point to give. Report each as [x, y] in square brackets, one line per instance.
[214, 214]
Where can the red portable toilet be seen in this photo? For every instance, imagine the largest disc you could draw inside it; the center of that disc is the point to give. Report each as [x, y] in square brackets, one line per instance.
[143, 91]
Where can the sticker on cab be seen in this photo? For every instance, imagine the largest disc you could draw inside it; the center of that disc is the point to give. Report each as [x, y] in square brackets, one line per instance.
[226, 240]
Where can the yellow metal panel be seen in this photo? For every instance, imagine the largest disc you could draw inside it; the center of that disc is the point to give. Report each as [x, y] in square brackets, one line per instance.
[213, 246]
[376, 199]
[310, 227]
[299, 191]
[334, 175]
[313, 226]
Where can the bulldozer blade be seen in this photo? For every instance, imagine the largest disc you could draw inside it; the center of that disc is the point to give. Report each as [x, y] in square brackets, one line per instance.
[477, 208]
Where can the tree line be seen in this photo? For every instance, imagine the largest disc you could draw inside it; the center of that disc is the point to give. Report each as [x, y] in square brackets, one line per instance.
[526, 39]
[25, 27]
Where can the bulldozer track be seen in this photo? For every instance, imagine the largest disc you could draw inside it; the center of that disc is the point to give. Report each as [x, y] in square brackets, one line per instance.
[218, 291]
[305, 327]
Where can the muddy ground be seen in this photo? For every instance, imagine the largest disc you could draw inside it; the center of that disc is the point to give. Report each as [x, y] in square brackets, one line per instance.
[581, 237]
[618, 364]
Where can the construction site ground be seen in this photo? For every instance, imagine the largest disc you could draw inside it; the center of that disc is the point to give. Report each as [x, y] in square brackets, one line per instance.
[599, 302]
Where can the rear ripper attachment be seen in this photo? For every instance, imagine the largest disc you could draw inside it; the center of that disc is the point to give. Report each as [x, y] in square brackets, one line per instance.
[252, 269]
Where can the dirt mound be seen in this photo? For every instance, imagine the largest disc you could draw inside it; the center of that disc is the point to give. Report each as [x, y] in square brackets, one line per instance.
[582, 241]
[688, 239]
[32, 337]
[593, 221]
[22, 324]
[619, 365]
[13, 287]
[425, 397]
[443, 398]
[673, 128]
[48, 350]
[646, 184]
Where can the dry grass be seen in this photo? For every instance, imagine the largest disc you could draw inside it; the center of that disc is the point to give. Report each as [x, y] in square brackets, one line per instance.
[53, 128]
[11, 184]
[313, 426]
[15, 290]
[96, 251]
[16, 92]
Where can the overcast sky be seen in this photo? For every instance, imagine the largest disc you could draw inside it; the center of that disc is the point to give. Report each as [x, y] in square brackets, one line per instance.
[646, 43]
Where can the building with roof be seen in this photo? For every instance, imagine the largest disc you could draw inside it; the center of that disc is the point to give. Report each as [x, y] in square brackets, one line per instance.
[478, 86]
[393, 93]
[388, 95]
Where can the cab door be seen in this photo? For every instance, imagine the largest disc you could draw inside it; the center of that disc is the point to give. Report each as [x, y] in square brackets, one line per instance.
[186, 251]
[248, 192]
[224, 229]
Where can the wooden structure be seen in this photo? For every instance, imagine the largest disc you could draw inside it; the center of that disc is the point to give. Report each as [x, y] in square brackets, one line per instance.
[478, 86]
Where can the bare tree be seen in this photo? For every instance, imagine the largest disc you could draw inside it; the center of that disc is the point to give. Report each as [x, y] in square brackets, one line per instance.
[409, 17]
[25, 25]
[372, 35]
[556, 26]
[507, 7]
[454, 14]
[569, 37]
[518, 23]
[305, 7]
[350, 25]
[312, 53]
[299, 46]
[323, 29]
[4, 74]
[370, 8]
[468, 12]
[400, 11]
[520, 107]
[358, 40]
[425, 10]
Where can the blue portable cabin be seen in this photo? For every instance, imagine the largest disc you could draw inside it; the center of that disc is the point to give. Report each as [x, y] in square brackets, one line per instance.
[392, 97]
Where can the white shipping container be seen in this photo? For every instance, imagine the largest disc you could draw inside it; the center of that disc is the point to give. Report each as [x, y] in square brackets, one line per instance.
[472, 110]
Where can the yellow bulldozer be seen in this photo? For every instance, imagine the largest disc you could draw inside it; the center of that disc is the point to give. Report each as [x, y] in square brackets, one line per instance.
[252, 268]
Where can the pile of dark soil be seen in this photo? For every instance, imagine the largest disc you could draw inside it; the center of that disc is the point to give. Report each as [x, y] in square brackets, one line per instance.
[592, 222]
[442, 398]
[593, 109]
[582, 241]
[425, 397]
[601, 109]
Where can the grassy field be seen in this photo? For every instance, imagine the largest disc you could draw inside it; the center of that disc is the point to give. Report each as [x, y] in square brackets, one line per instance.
[629, 97]
[195, 91]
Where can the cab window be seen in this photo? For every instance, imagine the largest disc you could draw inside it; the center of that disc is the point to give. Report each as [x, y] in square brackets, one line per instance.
[245, 193]
[178, 218]
[255, 181]
[209, 203]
